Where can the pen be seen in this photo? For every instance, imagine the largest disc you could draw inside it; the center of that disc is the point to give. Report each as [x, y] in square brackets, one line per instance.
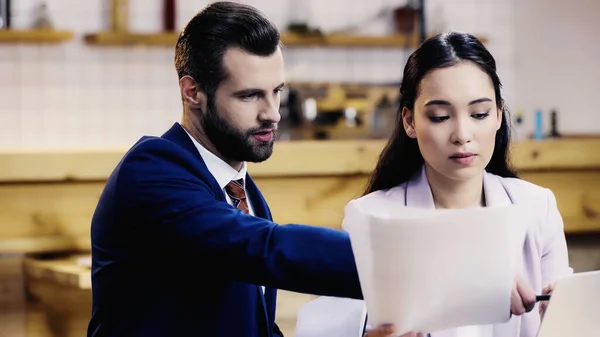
[542, 298]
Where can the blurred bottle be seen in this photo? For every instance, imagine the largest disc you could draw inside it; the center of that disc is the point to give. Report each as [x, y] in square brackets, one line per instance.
[169, 16]
[42, 19]
[554, 124]
[299, 13]
[5, 14]
[538, 132]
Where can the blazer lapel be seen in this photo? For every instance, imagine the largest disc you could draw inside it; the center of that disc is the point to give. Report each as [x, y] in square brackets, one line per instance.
[259, 204]
[179, 136]
[418, 193]
[495, 193]
[261, 210]
[497, 196]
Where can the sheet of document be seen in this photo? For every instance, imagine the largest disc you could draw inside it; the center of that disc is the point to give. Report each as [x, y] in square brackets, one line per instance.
[431, 270]
[331, 317]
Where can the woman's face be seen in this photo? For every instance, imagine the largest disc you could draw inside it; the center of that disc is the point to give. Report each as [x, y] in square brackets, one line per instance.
[455, 120]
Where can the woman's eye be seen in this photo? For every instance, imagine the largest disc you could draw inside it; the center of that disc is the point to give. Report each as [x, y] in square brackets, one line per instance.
[481, 115]
[438, 119]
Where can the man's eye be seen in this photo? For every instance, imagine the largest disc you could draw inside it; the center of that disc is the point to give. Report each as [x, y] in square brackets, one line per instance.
[249, 96]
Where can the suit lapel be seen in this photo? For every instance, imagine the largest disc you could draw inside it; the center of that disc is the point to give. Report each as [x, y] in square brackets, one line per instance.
[178, 135]
[259, 204]
[261, 210]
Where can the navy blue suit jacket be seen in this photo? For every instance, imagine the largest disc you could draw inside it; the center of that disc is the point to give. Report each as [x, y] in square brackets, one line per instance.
[170, 256]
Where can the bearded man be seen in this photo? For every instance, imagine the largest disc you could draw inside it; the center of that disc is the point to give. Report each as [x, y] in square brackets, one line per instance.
[183, 243]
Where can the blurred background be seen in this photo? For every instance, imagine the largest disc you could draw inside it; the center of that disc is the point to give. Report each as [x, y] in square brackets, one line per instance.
[81, 81]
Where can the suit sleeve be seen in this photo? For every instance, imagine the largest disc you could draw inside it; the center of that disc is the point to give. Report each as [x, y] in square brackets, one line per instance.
[555, 257]
[180, 212]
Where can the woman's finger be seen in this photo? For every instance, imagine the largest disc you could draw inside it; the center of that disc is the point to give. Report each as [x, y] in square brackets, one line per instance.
[516, 304]
[383, 330]
[527, 295]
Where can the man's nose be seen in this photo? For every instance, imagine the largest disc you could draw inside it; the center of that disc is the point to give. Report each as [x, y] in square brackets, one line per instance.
[270, 111]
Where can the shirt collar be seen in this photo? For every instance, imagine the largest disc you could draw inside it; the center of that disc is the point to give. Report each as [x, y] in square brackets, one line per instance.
[221, 171]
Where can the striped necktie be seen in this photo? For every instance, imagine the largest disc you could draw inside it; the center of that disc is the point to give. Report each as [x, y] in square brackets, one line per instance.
[235, 190]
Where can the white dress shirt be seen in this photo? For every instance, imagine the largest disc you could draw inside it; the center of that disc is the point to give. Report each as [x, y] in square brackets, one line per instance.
[223, 173]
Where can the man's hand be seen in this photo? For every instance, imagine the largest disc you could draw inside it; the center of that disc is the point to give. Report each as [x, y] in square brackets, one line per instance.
[522, 298]
[387, 330]
[544, 304]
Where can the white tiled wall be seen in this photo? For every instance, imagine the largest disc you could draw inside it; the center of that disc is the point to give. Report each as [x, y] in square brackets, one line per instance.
[558, 64]
[74, 95]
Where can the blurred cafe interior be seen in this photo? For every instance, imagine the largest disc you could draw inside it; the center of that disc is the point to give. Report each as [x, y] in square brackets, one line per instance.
[81, 81]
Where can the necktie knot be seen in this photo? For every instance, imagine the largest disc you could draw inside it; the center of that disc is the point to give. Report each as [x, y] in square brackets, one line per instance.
[235, 190]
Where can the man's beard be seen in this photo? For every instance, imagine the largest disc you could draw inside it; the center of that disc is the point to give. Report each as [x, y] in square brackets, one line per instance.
[233, 143]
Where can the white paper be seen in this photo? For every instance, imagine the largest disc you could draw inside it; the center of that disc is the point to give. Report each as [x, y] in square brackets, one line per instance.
[331, 317]
[430, 270]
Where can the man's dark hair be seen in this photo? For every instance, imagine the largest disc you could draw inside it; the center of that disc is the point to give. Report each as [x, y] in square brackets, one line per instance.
[219, 26]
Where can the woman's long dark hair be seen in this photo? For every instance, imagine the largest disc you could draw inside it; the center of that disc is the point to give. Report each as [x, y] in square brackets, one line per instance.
[401, 157]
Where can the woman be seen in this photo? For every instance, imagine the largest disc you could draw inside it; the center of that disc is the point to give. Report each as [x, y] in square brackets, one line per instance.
[450, 150]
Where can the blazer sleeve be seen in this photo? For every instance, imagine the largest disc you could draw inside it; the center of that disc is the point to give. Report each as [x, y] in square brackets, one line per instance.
[175, 209]
[555, 257]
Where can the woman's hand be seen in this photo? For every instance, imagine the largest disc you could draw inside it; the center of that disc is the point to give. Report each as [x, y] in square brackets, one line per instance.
[522, 298]
[544, 304]
[386, 330]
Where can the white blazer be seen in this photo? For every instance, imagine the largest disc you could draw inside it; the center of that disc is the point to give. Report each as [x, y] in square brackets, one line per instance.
[545, 256]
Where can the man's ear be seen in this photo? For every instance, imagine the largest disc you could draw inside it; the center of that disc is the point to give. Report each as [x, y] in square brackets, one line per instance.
[409, 122]
[191, 93]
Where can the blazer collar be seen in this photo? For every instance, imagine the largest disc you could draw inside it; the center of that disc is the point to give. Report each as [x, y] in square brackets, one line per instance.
[179, 136]
[418, 193]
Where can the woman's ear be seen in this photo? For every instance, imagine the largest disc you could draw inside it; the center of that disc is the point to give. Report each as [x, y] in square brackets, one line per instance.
[409, 122]
[191, 93]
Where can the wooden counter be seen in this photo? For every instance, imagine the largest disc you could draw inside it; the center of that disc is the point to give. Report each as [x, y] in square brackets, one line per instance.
[47, 198]
[72, 271]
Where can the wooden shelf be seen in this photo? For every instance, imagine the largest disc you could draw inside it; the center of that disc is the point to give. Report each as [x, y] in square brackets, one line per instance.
[344, 40]
[132, 39]
[288, 39]
[34, 36]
